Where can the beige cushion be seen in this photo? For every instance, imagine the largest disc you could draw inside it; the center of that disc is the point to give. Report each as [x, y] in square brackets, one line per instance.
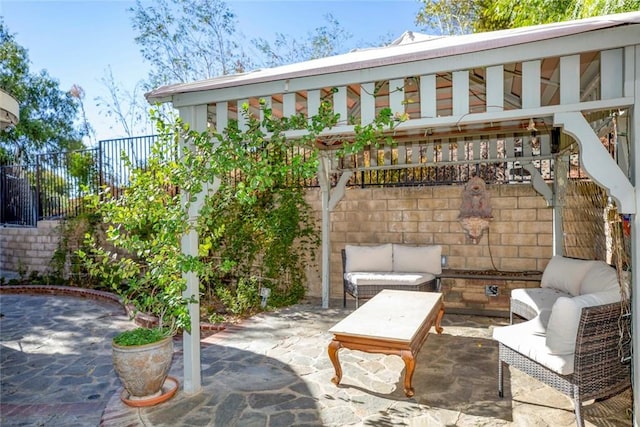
[369, 258]
[537, 298]
[562, 328]
[601, 277]
[565, 274]
[528, 338]
[388, 279]
[417, 259]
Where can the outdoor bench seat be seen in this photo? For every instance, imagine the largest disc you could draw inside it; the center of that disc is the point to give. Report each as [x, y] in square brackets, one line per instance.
[575, 333]
[597, 368]
[563, 277]
[369, 269]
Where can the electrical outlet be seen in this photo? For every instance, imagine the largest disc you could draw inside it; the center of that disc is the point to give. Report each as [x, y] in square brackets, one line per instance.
[491, 290]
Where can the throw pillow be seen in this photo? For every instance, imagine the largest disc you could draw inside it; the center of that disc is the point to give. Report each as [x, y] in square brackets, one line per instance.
[369, 258]
[417, 259]
[601, 277]
[565, 274]
[562, 328]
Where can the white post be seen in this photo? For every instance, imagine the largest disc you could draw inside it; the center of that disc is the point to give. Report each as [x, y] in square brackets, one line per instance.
[559, 191]
[196, 116]
[632, 74]
[323, 177]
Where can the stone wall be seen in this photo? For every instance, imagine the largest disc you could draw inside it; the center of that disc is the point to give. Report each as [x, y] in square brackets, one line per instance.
[29, 249]
[519, 236]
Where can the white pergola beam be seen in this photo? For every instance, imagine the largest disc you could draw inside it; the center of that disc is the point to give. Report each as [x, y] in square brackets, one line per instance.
[597, 162]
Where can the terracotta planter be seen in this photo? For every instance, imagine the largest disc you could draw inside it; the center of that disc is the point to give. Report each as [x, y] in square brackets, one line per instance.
[143, 369]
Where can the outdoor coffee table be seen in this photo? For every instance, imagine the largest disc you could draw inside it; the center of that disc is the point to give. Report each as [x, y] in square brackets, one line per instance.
[392, 322]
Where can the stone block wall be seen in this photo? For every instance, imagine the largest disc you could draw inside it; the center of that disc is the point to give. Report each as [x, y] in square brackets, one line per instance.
[29, 249]
[519, 236]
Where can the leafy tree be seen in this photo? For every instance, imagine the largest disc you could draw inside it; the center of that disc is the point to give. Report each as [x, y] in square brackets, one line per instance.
[326, 40]
[448, 17]
[187, 40]
[128, 108]
[466, 16]
[47, 114]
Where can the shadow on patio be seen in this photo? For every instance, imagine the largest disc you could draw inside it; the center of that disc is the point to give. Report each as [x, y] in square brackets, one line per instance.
[273, 369]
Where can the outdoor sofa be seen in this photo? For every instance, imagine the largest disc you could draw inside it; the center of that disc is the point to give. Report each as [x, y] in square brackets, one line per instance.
[577, 336]
[369, 269]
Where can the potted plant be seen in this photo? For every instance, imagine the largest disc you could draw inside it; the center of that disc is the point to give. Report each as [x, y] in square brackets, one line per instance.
[138, 255]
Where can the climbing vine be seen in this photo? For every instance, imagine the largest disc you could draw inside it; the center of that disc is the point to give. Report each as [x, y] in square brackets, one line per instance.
[256, 229]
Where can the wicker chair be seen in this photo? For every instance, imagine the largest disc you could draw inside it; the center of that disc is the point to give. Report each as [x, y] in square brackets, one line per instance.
[599, 368]
[360, 292]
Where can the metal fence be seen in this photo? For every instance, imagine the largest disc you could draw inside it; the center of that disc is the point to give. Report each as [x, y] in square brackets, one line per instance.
[55, 184]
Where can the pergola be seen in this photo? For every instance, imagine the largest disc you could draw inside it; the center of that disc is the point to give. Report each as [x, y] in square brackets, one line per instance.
[571, 76]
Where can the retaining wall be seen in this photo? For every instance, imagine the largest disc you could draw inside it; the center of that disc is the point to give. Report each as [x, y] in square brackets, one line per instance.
[519, 236]
[28, 249]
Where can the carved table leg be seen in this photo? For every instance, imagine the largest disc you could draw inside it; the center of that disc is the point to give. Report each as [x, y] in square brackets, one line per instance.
[439, 328]
[410, 366]
[334, 346]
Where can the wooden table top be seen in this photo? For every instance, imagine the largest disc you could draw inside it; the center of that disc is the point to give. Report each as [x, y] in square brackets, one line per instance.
[390, 315]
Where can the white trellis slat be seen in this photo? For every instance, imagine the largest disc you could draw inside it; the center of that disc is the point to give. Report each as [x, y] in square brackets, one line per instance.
[495, 88]
[545, 144]
[611, 68]
[445, 157]
[402, 154]
[267, 104]
[313, 103]
[460, 92]
[367, 103]
[429, 153]
[242, 120]
[340, 105]
[222, 116]
[428, 104]
[493, 147]
[477, 145]
[527, 149]
[531, 84]
[289, 104]
[415, 153]
[510, 146]
[570, 79]
[396, 96]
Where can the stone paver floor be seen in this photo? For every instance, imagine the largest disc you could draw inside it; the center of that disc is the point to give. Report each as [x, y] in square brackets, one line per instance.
[272, 370]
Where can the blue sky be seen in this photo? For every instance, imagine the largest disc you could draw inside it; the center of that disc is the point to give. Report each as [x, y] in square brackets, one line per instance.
[76, 40]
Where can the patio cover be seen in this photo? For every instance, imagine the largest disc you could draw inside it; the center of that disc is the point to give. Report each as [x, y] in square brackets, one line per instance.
[607, 32]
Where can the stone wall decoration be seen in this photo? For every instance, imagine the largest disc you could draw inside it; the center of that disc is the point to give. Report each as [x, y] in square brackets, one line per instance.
[475, 211]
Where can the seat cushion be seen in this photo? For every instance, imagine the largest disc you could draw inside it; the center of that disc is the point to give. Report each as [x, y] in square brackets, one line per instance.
[388, 279]
[539, 299]
[417, 259]
[529, 339]
[565, 274]
[369, 258]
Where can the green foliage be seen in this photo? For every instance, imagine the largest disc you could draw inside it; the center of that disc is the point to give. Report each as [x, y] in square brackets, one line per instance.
[464, 16]
[256, 230]
[241, 299]
[141, 259]
[187, 40]
[326, 40]
[65, 261]
[47, 114]
[140, 336]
